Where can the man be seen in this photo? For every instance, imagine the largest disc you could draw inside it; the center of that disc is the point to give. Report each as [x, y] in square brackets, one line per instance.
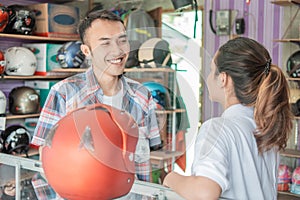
[105, 45]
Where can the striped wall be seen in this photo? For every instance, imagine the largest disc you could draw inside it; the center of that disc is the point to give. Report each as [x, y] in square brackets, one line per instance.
[262, 24]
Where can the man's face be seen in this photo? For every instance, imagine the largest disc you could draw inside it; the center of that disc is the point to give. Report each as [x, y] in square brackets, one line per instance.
[107, 45]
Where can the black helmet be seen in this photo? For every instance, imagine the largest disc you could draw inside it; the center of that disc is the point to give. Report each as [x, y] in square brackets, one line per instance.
[293, 65]
[21, 20]
[24, 100]
[154, 52]
[16, 139]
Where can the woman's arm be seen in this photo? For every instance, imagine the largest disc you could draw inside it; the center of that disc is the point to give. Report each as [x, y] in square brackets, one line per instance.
[193, 187]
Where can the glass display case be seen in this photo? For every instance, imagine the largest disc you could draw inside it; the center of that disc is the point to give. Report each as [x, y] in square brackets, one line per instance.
[16, 174]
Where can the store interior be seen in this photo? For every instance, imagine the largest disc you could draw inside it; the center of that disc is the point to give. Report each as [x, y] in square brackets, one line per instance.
[183, 36]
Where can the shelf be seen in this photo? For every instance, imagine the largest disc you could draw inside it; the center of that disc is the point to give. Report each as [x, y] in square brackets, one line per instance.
[69, 70]
[293, 79]
[164, 155]
[10, 116]
[290, 153]
[291, 40]
[286, 2]
[288, 40]
[49, 77]
[170, 111]
[40, 38]
[287, 196]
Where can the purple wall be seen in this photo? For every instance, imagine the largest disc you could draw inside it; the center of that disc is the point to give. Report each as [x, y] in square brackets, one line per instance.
[262, 24]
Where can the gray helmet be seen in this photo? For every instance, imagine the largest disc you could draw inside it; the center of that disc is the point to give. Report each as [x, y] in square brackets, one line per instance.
[24, 100]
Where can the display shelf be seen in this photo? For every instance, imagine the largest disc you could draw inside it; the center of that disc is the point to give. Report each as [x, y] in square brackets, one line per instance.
[48, 77]
[10, 116]
[287, 196]
[170, 111]
[286, 2]
[39, 38]
[291, 40]
[69, 70]
[293, 79]
[159, 157]
[294, 153]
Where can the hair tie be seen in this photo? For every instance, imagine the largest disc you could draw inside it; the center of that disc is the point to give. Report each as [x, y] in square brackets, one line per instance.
[267, 66]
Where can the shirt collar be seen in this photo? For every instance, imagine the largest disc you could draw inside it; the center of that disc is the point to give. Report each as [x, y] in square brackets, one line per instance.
[93, 84]
[238, 109]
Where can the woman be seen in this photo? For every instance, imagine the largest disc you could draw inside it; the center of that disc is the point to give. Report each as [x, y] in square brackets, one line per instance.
[237, 154]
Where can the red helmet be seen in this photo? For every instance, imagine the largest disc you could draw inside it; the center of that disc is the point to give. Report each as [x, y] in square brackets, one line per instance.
[4, 17]
[89, 150]
[2, 62]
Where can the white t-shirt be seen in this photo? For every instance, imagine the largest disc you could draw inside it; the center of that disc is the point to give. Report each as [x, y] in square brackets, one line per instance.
[116, 100]
[226, 152]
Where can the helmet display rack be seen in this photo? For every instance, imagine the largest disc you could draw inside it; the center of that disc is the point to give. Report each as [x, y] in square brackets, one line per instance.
[139, 188]
[291, 154]
[165, 76]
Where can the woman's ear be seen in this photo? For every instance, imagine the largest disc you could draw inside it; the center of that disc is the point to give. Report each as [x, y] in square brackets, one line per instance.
[222, 79]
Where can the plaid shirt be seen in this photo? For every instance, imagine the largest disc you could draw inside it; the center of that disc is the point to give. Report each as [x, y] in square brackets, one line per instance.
[83, 89]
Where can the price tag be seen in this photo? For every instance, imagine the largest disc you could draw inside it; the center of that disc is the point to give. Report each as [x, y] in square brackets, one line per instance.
[2, 123]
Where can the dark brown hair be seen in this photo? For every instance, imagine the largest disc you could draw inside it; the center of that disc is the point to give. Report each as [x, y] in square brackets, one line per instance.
[91, 16]
[261, 84]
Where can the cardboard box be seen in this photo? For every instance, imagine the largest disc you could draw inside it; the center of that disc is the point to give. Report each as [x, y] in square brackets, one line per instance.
[46, 56]
[56, 20]
[42, 88]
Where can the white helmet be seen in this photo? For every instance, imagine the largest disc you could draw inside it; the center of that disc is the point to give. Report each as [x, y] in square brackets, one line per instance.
[20, 61]
[3, 103]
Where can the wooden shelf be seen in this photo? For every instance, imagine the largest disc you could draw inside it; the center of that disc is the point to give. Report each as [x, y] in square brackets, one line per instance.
[296, 40]
[288, 40]
[10, 116]
[48, 77]
[69, 70]
[290, 153]
[170, 111]
[164, 154]
[286, 2]
[287, 196]
[293, 79]
[39, 38]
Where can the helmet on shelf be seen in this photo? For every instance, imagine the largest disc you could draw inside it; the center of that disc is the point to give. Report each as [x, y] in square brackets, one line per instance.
[70, 55]
[2, 63]
[293, 65]
[284, 177]
[21, 20]
[20, 61]
[154, 52]
[15, 138]
[4, 17]
[3, 103]
[133, 60]
[295, 186]
[80, 147]
[159, 93]
[24, 100]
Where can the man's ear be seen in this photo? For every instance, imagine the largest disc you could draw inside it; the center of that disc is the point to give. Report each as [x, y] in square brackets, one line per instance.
[85, 50]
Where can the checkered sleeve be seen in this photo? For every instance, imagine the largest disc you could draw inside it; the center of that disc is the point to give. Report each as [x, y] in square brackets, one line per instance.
[53, 110]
